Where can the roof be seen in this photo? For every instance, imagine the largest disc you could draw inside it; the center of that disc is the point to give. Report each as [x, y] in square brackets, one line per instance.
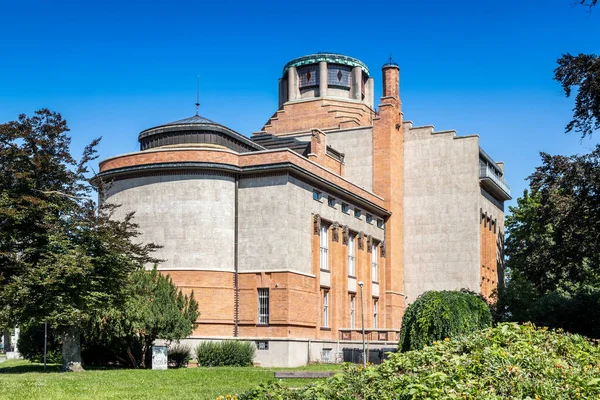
[331, 58]
[196, 119]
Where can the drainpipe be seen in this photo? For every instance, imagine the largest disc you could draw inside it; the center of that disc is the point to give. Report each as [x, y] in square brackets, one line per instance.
[236, 288]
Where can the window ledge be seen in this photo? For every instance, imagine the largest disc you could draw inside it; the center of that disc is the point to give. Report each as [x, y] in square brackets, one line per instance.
[324, 270]
[352, 276]
[325, 329]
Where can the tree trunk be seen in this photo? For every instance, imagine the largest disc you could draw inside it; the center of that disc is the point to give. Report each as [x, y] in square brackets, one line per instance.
[71, 350]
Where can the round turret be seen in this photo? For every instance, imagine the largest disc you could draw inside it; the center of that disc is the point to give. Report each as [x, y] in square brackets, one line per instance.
[323, 75]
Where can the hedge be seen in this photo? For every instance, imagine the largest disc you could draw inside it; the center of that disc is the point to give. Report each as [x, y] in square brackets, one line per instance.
[509, 361]
[226, 353]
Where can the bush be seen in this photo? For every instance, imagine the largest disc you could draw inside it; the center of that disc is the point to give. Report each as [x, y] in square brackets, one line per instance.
[226, 353]
[509, 361]
[31, 344]
[179, 355]
[440, 315]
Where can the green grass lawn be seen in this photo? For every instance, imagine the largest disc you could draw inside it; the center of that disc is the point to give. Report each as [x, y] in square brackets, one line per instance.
[24, 380]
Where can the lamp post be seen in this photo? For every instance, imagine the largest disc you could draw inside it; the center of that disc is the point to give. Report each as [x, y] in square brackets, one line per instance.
[362, 315]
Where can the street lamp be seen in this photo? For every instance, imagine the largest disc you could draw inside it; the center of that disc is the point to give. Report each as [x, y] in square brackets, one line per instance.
[362, 314]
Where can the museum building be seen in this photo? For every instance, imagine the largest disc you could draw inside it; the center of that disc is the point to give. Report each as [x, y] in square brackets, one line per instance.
[335, 205]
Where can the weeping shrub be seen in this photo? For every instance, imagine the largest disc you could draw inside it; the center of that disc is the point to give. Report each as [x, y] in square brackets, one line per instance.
[226, 353]
[440, 315]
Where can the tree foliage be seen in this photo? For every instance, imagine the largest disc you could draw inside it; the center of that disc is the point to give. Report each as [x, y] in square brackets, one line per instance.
[62, 259]
[155, 308]
[509, 361]
[583, 73]
[553, 239]
[440, 315]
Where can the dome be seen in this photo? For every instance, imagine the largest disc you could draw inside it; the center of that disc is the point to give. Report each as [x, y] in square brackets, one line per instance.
[330, 58]
[194, 131]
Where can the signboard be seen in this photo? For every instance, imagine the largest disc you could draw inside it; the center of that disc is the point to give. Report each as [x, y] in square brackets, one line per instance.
[159, 357]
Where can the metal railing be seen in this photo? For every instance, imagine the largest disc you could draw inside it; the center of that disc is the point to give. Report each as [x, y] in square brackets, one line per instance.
[486, 172]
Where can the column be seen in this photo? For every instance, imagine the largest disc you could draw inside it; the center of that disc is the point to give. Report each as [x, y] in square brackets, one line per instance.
[292, 84]
[322, 79]
[356, 83]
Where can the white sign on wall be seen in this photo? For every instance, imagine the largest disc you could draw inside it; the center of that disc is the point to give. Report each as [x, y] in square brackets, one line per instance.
[159, 357]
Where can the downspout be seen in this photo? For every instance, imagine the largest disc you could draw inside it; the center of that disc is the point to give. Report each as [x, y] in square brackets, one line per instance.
[236, 287]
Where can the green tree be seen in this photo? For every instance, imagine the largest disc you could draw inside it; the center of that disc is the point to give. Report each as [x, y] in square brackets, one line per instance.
[155, 308]
[553, 232]
[62, 259]
[583, 73]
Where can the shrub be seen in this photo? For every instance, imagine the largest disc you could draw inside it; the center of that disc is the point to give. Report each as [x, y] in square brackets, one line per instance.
[31, 344]
[509, 361]
[179, 355]
[226, 353]
[439, 315]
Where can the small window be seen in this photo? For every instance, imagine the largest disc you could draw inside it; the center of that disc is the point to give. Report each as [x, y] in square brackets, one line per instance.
[351, 271]
[345, 208]
[325, 309]
[374, 263]
[375, 313]
[369, 218]
[263, 306]
[324, 244]
[352, 305]
[331, 201]
[317, 195]
[357, 213]
[379, 223]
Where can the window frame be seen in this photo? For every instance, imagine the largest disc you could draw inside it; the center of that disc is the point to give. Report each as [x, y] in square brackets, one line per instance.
[357, 213]
[325, 319]
[376, 313]
[317, 195]
[324, 247]
[331, 201]
[352, 311]
[263, 318]
[351, 255]
[374, 264]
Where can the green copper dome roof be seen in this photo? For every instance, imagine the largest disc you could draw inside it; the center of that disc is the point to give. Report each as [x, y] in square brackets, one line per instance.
[327, 57]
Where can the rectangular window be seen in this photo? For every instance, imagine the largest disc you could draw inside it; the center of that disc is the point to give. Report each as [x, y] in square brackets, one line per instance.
[345, 208]
[317, 195]
[369, 218]
[374, 262]
[324, 248]
[379, 223]
[325, 309]
[375, 313]
[263, 306]
[331, 201]
[351, 271]
[352, 305]
[357, 213]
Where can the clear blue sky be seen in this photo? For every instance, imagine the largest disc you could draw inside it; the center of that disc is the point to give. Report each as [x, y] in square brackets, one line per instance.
[115, 68]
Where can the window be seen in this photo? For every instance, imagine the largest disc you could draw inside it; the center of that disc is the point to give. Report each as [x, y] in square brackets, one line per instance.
[331, 201]
[338, 75]
[369, 218]
[357, 213]
[375, 313]
[379, 223]
[352, 304]
[374, 262]
[325, 308]
[317, 195]
[263, 306]
[345, 208]
[351, 271]
[324, 248]
[309, 75]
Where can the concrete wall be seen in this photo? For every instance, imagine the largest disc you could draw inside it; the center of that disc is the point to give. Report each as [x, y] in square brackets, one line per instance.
[191, 215]
[441, 211]
[357, 146]
[296, 353]
[275, 223]
[264, 225]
